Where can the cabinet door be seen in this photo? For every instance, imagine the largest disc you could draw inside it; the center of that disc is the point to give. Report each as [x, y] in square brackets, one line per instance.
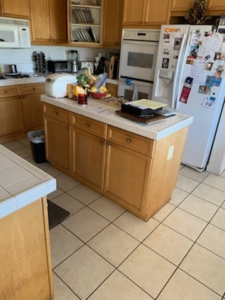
[16, 9]
[40, 20]
[57, 143]
[11, 116]
[134, 12]
[112, 22]
[88, 159]
[157, 14]
[217, 5]
[181, 5]
[58, 21]
[32, 111]
[126, 177]
[112, 89]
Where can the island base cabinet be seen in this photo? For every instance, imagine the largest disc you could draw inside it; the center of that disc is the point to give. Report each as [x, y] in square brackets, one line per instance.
[88, 159]
[126, 177]
[57, 144]
[25, 256]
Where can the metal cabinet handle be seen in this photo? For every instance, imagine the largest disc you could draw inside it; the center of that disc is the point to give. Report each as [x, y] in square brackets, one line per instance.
[102, 142]
[34, 88]
[128, 140]
[87, 125]
[55, 113]
[5, 92]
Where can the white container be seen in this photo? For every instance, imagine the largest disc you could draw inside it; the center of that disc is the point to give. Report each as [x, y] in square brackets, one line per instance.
[56, 84]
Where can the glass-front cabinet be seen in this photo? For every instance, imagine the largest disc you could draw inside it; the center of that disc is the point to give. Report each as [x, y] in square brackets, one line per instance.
[85, 21]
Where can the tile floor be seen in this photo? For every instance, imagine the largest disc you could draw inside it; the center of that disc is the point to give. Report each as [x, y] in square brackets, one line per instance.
[102, 252]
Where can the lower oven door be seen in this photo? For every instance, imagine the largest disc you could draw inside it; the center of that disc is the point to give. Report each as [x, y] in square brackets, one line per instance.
[126, 91]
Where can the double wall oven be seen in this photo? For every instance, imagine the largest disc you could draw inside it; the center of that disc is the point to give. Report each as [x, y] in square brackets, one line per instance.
[137, 63]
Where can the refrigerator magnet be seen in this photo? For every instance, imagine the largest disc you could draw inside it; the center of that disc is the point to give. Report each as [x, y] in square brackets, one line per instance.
[209, 102]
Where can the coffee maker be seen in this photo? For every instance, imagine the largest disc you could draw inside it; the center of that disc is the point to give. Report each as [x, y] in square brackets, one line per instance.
[74, 58]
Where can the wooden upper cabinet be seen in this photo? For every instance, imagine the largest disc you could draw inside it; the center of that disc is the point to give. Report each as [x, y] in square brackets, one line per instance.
[145, 13]
[48, 19]
[15, 8]
[217, 5]
[112, 22]
[181, 5]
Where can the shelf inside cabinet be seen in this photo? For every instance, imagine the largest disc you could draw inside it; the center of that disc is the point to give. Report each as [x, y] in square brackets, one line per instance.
[85, 34]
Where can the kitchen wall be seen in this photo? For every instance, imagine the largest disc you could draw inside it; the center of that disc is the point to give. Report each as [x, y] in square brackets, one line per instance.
[23, 57]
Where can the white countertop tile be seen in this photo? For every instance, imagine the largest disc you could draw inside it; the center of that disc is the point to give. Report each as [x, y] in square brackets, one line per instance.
[106, 114]
[21, 183]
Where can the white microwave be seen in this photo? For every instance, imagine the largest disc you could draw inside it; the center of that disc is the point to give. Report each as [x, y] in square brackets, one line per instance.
[14, 33]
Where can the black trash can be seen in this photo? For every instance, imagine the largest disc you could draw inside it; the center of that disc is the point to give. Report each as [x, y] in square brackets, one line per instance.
[37, 143]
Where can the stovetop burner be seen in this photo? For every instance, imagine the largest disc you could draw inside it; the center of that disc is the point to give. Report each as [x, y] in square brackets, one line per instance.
[16, 75]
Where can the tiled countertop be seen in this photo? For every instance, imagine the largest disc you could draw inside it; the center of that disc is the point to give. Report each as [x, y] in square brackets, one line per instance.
[103, 113]
[8, 82]
[21, 183]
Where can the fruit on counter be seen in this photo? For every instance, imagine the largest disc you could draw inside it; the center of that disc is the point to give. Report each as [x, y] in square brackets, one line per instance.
[102, 89]
[84, 77]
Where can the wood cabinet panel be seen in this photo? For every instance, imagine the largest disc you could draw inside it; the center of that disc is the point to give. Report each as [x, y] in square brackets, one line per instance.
[32, 112]
[9, 91]
[217, 5]
[126, 177]
[112, 22]
[11, 116]
[58, 20]
[29, 273]
[88, 159]
[133, 13]
[34, 88]
[57, 143]
[112, 89]
[15, 8]
[181, 5]
[57, 113]
[157, 14]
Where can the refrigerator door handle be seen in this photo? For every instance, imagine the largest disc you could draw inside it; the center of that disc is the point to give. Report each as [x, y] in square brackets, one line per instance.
[177, 74]
[180, 80]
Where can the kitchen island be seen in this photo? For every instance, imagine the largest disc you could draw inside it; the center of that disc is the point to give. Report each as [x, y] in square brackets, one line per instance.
[25, 256]
[135, 165]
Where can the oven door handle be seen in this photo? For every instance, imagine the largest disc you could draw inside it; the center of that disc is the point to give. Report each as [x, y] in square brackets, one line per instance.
[153, 43]
[178, 73]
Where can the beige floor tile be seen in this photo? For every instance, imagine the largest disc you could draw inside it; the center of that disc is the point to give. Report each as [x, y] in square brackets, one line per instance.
[209, 193]
[63, 244]
[61, 291]
[198, 207]
[25, 142]
[219, 219]
[107, 208]
[215, 181]
[31, 161]
[84, 194]
[183, 287]
[68, 203]
[113, 244]
[65, 182]
[193, 174]
[23, 151]
[186, 184]
[13, 145]
[185, 223]
[168, 243]
[136, 227]
[55, 194]
[206, 267]
[50, 170]
[84, 271]
[119, 287]
[85, 224]
[178, 196]
[213, 239]
[164, 212]
[149, 270]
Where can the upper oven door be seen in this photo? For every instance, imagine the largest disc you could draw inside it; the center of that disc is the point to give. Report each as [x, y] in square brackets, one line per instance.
[138, 60]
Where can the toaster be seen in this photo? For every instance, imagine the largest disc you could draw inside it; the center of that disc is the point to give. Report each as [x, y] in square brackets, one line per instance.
[56, 84]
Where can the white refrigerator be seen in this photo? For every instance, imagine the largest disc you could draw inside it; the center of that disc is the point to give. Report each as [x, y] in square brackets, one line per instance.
[190, 78]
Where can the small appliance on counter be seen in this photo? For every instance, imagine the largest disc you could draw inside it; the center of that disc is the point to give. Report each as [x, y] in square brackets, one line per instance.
[59, 66]
[74, 58]
[56, 84]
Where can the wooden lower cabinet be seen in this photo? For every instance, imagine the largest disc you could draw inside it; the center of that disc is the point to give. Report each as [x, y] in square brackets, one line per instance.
[112, 89]
[25, 244]
[88, 159]
[126, 177]
[57, 143]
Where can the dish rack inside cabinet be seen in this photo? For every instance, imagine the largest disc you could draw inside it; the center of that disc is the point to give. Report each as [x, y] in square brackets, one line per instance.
[86, 16]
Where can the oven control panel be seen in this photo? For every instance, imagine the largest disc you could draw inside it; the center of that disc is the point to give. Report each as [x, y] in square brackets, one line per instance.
[141, 35]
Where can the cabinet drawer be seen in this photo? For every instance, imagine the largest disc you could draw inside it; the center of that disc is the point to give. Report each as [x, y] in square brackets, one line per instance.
[91, 126]
[9, 91]
[57, 113]
[130, 140]
[32, 88]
